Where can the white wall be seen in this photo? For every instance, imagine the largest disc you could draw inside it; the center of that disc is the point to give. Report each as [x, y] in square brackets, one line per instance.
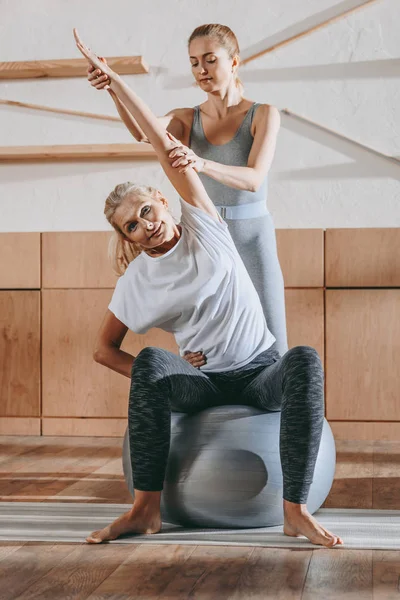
[345, 76]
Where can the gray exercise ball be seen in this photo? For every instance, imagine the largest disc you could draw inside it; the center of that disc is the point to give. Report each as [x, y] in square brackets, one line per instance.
[224, 469]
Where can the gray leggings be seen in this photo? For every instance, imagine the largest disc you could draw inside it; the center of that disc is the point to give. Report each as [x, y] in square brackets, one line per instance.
[255, 241]
[163, 382]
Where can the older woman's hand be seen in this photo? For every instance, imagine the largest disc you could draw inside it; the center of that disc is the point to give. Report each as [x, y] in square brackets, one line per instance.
[185, 159]
[196, 359]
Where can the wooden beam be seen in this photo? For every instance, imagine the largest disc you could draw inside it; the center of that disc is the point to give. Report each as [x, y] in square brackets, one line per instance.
[77, 152]
[391, 159]
[293, 38]
[60, 111]
[70, 67]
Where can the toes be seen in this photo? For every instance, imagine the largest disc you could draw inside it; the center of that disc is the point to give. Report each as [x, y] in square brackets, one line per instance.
[335, 538]
[332, 542]
[93, 540]
[95, 537]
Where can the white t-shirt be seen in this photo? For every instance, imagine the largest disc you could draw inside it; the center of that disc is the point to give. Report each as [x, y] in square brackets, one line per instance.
[200, 291]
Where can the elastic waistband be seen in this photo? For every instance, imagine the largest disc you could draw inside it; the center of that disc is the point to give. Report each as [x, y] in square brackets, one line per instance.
[244, 211]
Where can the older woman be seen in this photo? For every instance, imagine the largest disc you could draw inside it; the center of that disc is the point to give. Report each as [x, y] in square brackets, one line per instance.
[230, 141]
[188, 278]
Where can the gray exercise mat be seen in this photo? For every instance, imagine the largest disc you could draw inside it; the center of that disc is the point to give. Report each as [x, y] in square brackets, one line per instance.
[72, 522]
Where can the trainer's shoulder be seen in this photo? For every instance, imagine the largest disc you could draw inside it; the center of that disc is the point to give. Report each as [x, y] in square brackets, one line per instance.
[266, 116]
[183, 114]
[181, 123]
[266, 111]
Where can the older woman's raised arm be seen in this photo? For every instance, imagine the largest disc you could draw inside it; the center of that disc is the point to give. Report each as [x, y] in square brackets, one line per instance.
[188, 185]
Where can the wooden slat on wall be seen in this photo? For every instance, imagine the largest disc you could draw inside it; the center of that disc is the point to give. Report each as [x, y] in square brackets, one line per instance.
[363, 257]
[301, 256]
[76, 260]
[19, 260]
[19, 353]
[305, 319]
[362, 355]
[73, 384]
[68, 67]
[77, 152]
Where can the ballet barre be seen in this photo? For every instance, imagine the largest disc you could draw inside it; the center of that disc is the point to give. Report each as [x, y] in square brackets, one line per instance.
[293, 38]
[70, 67]
[136, 151]
[60, 111]
[392, 159]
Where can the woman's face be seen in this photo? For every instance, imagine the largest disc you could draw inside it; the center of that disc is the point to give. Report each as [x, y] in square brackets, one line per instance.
[145, 221]
[211, 65]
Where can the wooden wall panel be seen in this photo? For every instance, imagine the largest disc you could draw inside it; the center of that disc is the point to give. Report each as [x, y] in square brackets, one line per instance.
[73, 384]
[84, 427]
[362, 355]
[19, 353]
[20, 261]
[76, 260]
[19, 426]
[301, 256]
[305, 319]
[352, 430]
[79, 259]
[363, 257]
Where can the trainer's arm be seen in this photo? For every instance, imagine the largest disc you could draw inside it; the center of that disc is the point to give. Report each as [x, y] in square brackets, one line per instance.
[107, 350]
[262, 152]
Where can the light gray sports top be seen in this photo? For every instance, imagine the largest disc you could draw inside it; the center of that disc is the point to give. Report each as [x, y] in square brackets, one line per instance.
[235, 153]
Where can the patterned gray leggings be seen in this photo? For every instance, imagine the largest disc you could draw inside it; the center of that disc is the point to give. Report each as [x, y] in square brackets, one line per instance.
[163, 382]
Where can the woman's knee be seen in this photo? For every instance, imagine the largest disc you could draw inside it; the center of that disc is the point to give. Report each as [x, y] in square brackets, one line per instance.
[151, 353]
[304, 357]
[150, 360]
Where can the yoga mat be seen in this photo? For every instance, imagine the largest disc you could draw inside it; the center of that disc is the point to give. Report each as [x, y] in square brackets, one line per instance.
[72, 522]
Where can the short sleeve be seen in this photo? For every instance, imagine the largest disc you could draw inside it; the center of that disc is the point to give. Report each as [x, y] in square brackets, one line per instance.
[201, 222]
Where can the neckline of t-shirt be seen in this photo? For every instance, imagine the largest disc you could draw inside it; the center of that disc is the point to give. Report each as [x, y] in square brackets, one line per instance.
[162, 256]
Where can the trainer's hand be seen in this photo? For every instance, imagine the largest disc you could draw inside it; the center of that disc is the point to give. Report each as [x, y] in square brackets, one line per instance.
[92, 58]
[98, 79]
[196, 359]
[185, 159]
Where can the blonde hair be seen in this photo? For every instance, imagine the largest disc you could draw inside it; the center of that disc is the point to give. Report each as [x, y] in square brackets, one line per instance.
[225, 38]
[121, 252]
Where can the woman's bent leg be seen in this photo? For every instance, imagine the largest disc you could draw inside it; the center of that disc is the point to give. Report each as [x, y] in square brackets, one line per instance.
[295, 385]
[160, 382]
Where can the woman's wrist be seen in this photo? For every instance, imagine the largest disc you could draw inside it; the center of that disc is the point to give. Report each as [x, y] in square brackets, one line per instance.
[115, 80]
[204, 166]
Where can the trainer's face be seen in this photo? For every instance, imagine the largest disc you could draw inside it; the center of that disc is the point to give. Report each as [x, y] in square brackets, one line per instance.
[145, 221]
[211, 66]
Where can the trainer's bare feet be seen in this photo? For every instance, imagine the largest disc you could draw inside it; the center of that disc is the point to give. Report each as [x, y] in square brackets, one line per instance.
[144, 517]
[298, 521]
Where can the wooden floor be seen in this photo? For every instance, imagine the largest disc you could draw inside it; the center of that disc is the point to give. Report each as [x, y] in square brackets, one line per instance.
[44, 469]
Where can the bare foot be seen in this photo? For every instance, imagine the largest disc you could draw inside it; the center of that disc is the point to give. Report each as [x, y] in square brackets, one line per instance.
[298, 521]
[130, 522]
